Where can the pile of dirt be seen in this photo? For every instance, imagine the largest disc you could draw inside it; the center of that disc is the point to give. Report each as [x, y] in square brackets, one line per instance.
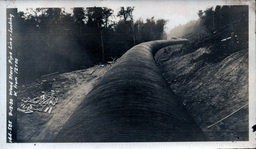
[215, 94]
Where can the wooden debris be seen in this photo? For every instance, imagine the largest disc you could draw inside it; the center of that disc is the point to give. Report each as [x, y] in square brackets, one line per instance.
[93, 71]
[42, 103]
[50, 109]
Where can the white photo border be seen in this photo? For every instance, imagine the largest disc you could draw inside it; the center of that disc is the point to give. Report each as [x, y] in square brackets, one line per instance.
[220, 144]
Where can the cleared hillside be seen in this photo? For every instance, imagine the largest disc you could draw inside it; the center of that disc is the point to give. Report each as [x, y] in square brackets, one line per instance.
[211, 91]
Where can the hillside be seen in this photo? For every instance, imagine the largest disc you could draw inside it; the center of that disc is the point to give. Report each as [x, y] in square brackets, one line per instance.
[211, 91]
[210, 73]
[43, 109]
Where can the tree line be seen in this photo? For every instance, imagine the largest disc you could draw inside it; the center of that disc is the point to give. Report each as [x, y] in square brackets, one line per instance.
[223, 16]
[53, 40]
[223, 28]
[227, 27]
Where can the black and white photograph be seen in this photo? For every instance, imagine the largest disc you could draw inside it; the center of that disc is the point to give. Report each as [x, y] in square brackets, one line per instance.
[128, 72]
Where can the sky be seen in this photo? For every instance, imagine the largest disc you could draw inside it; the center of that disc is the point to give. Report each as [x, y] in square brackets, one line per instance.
[176, 12]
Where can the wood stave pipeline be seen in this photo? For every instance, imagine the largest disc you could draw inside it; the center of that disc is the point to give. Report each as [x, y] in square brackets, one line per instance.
[132, 103]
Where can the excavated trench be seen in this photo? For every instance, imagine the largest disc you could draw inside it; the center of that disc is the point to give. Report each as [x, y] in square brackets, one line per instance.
[132, 103]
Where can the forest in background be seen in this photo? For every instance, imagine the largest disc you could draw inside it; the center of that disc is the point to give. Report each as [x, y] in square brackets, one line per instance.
[51, 40]
[225, 27]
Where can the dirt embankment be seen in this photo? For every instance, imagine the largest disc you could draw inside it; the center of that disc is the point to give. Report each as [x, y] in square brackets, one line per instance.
[69, 88]
[214, 92]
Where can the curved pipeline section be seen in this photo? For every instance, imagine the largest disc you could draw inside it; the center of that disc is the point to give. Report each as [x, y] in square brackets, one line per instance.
[132, 102]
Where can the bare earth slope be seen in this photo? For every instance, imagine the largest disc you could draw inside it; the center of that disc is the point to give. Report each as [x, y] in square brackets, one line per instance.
[215, 94]
[70, 88]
